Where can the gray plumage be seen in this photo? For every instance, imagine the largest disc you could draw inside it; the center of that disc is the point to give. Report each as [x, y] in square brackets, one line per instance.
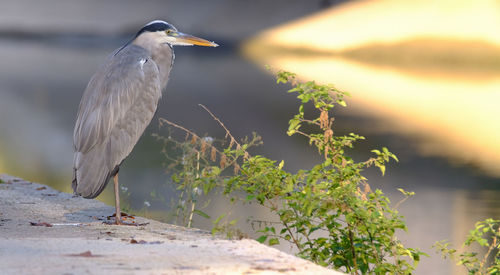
[117, 106]
[119, 102]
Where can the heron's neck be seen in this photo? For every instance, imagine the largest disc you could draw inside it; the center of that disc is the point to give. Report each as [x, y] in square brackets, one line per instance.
[164, 56]
[161, 53]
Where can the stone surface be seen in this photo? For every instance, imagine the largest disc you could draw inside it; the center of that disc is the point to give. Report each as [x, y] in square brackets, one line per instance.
[44, 231]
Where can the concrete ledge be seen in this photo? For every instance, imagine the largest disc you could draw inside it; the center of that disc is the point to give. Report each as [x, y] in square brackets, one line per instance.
[79, 242]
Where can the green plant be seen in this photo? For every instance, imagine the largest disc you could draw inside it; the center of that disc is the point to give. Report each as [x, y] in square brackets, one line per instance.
[198, 166]
[329, 212]
[485, 234]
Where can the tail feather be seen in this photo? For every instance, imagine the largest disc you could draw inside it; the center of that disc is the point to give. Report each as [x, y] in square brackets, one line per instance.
[91, 173]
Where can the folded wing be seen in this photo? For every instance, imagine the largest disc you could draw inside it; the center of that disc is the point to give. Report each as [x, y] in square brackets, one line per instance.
[118, 104]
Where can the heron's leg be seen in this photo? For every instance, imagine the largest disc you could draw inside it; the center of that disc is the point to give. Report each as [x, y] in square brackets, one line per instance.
[118, 215]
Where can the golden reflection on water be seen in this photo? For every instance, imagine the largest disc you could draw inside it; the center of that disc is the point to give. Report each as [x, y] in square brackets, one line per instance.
[426, 69]
[449, 116]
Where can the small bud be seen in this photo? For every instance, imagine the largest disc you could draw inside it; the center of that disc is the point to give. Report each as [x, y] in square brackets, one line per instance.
[367, 188]
[203, 147]
[323, 119]
[213, 154]
[236, 169]
[223, 160]
[328, 135]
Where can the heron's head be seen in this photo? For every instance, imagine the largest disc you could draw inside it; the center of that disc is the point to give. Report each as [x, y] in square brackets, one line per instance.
[162, 32]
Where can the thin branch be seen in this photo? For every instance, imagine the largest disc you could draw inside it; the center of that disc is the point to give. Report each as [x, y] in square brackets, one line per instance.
[401, 201]
[162, 120]
[492, 246]
[295, 241]
[304, 134]
[221, 124]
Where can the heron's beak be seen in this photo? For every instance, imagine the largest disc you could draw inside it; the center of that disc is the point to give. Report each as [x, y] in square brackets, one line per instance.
[188, 39]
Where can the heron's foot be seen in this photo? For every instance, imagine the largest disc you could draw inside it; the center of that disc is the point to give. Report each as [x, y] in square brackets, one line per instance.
[125, 219]
[124, 216]
[122, 222]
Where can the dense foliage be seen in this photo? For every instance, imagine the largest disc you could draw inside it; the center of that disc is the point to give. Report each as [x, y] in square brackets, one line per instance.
[328, 213]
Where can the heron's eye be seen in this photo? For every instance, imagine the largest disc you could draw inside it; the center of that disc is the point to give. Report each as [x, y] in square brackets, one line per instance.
[169, 31]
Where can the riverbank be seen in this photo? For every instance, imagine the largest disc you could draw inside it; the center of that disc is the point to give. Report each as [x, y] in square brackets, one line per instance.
[45, 231]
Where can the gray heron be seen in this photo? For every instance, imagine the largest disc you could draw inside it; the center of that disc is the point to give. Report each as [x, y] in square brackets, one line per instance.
[119, 102]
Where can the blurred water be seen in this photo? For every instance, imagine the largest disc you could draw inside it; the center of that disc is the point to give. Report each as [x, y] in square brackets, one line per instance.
[41, 83]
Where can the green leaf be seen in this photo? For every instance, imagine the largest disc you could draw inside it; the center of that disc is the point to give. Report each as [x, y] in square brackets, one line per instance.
[262, 239]
[406, 193]
[382, 169]
[294, 125]
[394, 157]
[274, 241]
[219, 219]
[201, 213]
[280, 166]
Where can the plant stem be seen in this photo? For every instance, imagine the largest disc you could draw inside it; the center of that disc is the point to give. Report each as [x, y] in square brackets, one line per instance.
[492, 246]
[191, 214]
[193, 203]
[295, 241]
[177, 214]
[351, 237]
